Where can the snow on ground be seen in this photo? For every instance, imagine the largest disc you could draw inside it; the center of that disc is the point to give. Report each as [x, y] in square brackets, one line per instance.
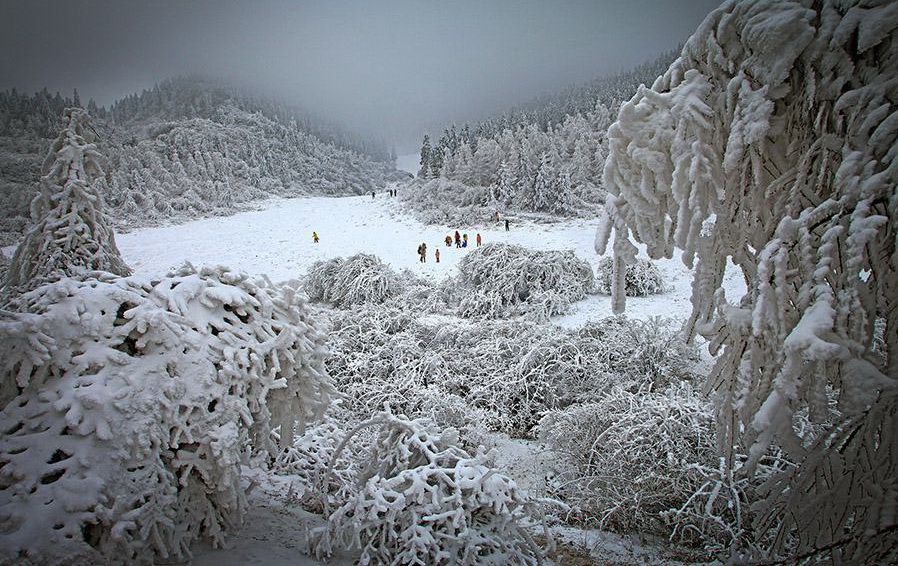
[273, 533]
[276, 240]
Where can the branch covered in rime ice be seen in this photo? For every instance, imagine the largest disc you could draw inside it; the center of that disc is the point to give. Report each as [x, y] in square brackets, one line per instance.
[133, 403]
[423, 500]
[772, 142]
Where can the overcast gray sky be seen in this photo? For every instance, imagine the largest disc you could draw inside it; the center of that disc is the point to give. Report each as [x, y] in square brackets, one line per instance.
[398, 64]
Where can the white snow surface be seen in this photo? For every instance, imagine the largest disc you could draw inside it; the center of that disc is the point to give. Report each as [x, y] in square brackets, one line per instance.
[276, 240]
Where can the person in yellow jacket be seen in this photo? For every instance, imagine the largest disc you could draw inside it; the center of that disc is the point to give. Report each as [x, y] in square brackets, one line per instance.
[315, 237]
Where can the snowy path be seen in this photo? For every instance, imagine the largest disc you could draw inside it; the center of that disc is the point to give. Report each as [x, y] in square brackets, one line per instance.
[276, 240]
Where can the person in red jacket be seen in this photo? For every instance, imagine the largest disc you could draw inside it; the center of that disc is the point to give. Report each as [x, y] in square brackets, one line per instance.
[478, 239]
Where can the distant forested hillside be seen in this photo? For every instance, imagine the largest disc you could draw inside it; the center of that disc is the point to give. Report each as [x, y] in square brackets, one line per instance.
[545, 156]
[186, 148]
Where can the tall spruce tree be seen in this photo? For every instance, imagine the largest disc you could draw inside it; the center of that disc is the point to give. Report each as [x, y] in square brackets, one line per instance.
[69, 231]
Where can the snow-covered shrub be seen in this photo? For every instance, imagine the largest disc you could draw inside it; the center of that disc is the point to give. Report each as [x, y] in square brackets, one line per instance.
[642, 278]
[69, 231]
[444, 202]
[640, 462]
[423, 500]
[134, 403]
[772, 142]
[309, 459]
[638, 354]
[502, 280]
[361, 278]
[506, 373]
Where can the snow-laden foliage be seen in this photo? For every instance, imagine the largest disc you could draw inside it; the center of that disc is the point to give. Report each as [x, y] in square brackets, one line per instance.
[309, 460]
[502, 280]
[647, 462]
[494, 375]
[69, 231]
[358, 279]
[444, 202]
[421, 499]
[773, 141]
[133, 403]
[642, 277]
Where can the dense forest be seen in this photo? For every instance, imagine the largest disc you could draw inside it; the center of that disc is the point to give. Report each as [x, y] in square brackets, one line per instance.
[544, 156]
[187, 147]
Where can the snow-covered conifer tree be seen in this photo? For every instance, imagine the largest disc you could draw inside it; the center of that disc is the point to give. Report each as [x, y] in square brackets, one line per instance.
[541, 197]
[426, 151]
[773, 142]
[69, 231]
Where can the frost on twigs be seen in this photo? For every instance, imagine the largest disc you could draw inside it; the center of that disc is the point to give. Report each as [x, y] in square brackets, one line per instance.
[69, 231]
[642, 278]
[499, 375]
[503, 280]
[646, 462]
[423, 500]
[773, 142]
[133, 403]
[361, 278]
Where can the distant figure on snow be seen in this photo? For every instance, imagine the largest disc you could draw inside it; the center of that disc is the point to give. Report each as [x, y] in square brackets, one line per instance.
[436, 254]
[478, 239]
[506, 224]
[497, 216]
[457, 239]
[422, 252]
[315, 237]
[464, 242]
[448, 241]
[372, 194]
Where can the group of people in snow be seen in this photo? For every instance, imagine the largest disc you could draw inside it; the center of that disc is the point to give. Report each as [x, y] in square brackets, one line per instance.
[461, 240]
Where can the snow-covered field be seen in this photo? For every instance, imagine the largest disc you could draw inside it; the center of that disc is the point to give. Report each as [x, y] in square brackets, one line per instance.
[276, 240]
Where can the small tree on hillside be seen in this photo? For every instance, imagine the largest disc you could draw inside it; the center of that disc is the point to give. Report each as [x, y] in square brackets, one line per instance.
[69, 230]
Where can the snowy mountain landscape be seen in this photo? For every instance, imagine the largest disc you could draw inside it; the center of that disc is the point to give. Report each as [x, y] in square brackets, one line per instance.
[647, 318]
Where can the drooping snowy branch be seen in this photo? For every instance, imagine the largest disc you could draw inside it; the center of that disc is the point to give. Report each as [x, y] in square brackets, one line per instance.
[772, 142]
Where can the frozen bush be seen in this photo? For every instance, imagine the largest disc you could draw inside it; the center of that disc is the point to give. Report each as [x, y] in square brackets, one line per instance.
[444, 202]
[642, 278]
[646, 462]
[308, 459]
[502, 280]
[361, 278]
[421, 499]
[641, 354]
[507, 373]
[133, 403]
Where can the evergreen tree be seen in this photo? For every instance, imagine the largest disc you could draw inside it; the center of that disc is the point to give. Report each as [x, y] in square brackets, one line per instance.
[426, 151]
[69, 231]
